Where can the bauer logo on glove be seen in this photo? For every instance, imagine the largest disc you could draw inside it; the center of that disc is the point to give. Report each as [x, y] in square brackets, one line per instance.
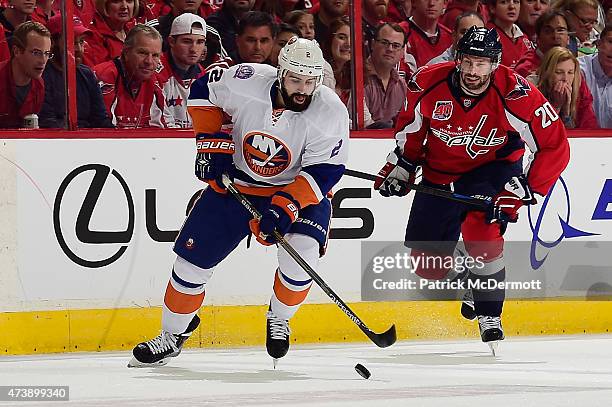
[281, 214]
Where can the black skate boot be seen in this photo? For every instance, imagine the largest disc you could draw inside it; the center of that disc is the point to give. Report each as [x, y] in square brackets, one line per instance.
[491, 331]
[159, 350]
[467, 306]
[277, 336]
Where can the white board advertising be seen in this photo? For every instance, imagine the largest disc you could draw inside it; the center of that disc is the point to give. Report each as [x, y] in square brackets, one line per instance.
[94, 221]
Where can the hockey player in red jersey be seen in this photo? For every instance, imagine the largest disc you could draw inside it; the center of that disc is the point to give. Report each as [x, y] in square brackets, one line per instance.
[466, 126]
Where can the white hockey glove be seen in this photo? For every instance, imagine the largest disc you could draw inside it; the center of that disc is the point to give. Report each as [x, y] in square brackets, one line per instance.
[395, 174]
[506, 203]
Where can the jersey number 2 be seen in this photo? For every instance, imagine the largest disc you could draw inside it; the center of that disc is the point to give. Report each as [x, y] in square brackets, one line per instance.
[215, 75]
[548, 114]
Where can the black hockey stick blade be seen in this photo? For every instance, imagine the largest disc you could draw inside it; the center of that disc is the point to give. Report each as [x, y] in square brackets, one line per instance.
[481, 203]
[384, 339]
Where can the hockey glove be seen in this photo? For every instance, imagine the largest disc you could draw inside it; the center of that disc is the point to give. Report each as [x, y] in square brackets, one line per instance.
[506, 203]
[395, 174]
[214, 158]
[281, 214]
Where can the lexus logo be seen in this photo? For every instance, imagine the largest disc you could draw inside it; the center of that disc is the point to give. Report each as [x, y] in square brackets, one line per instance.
[83, 231]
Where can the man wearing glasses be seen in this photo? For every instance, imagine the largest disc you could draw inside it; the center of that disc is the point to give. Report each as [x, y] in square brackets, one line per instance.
[21, 76]
[582, 16]
[385, 90]
[551, 31]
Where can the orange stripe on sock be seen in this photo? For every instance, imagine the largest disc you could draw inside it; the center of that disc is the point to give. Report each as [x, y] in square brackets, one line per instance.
[180, 303]
[287, 296]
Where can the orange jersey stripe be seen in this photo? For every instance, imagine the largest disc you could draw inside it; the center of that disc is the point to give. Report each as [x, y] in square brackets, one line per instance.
[206, 119]
[180, 303]
[258, 191]
[302, 192]
[287, 296]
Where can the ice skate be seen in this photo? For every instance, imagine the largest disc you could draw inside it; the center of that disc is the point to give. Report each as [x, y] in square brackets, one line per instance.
[491, 331]
[159, 350]
[277, 337]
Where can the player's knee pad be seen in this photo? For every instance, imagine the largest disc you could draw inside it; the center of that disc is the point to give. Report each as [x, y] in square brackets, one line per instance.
[482, 238]
[430, 265]
[307, 247]
[189, 278]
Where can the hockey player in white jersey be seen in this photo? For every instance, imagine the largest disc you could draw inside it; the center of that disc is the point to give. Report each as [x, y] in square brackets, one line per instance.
[287, 149]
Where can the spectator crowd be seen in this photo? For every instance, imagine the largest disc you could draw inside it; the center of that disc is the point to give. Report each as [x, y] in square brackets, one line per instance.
[136, 59]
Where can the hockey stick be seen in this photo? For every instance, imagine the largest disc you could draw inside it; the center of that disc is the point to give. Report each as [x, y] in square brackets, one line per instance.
[481, 203]
[381, 340]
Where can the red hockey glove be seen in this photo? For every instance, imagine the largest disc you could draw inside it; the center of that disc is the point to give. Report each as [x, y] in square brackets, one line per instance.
[281, 214]
[395, 174]
[214, 158]
[506, 203]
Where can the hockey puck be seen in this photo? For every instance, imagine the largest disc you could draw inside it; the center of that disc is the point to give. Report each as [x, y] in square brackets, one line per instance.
[363, 372]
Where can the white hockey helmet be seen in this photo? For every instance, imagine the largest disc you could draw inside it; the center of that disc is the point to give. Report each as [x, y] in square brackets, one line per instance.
[301, 56]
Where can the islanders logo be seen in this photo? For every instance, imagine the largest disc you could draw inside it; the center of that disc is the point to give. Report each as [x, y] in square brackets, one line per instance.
[264, 154]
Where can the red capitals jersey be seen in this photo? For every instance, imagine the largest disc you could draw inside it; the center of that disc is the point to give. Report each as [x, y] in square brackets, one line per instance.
[420, 47]
[127, 109]
[450, 134]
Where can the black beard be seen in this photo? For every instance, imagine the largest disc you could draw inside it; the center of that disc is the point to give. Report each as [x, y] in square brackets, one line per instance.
[291, 105]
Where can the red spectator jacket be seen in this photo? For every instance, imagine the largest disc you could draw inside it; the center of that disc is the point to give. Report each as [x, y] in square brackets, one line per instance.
[102, 44]
[512, 48]
[40, 17]
[145, 108]
[85, 10]
[422, 47]
[11, 114]
[153, 9]
[394, 14]
[455, 8]
[585, 115]
[5, 54]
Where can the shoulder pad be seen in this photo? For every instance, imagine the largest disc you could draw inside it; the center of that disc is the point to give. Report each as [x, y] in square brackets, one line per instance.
[426, 76]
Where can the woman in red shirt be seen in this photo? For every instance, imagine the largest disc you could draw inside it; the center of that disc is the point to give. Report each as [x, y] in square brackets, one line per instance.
[112, 21]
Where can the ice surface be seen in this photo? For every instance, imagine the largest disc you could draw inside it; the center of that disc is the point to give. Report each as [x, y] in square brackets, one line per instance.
[544, 371]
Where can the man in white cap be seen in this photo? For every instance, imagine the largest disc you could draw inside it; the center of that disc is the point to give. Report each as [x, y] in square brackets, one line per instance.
[287, 149]
[180, 65]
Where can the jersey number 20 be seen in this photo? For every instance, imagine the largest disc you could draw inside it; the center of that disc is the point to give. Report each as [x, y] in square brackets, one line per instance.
[548, 114]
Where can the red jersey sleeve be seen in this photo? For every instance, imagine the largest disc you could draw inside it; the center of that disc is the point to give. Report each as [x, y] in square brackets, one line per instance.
[411, 126]
[534, 118]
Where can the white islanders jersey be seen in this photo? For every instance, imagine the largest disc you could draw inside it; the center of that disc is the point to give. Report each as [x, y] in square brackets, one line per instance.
[274, 145]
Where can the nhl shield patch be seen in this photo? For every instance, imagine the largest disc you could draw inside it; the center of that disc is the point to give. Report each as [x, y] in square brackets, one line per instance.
[244, 72]
[443, 110]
